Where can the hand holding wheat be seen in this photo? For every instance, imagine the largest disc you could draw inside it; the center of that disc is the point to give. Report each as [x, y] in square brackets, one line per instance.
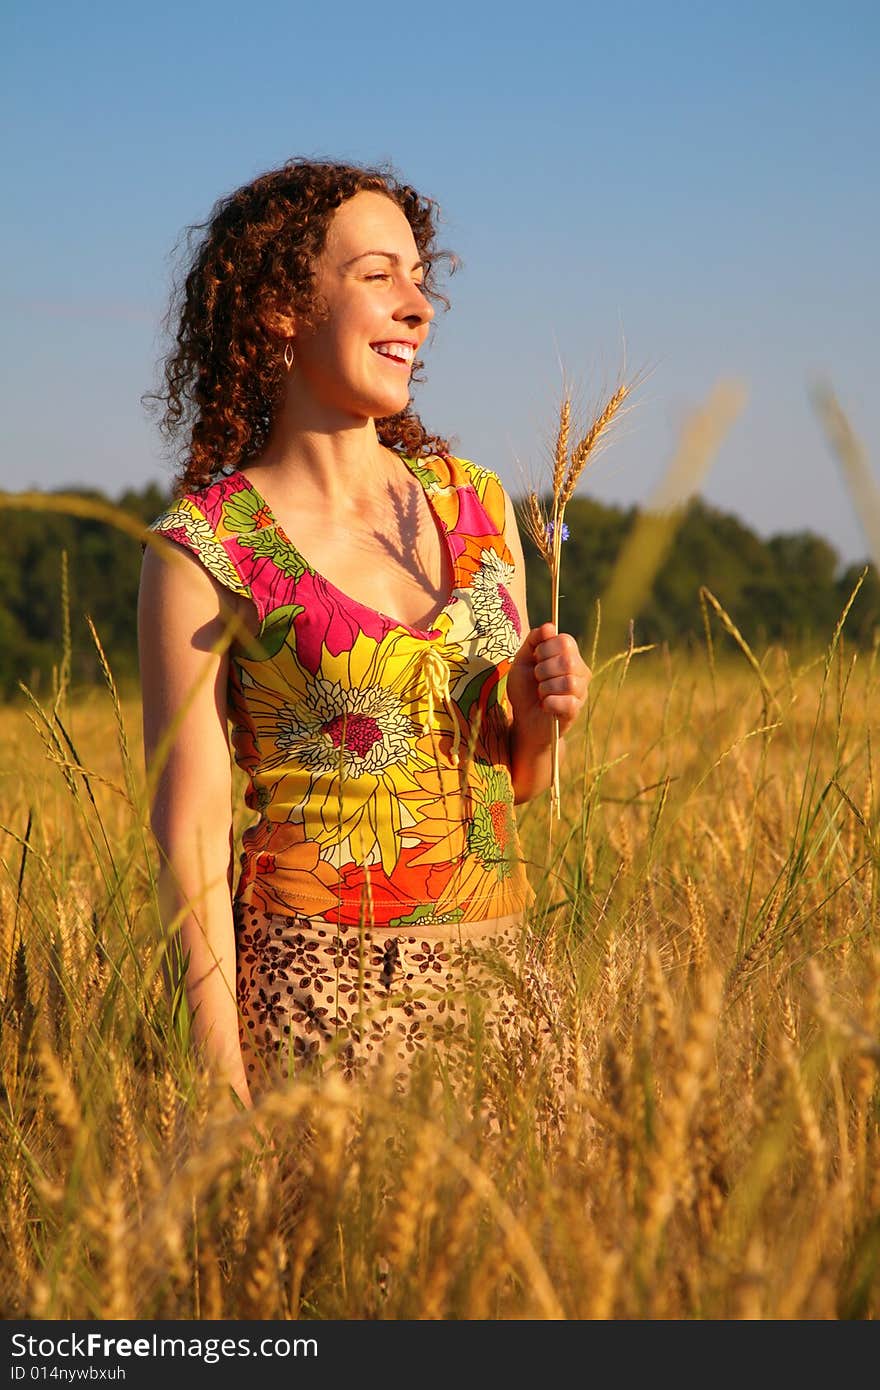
[547, 530]
[547, 687]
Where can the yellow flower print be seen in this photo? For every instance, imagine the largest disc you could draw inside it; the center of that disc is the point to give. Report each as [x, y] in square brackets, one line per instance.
[344, 743]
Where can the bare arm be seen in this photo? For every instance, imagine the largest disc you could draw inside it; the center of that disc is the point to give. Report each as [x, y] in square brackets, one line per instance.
[184, 669]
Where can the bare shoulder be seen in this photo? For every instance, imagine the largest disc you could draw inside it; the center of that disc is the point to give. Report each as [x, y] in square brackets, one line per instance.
[179, 599]
[184, 669]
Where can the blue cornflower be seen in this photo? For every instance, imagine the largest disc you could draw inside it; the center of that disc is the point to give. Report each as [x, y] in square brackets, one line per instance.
[550, 531]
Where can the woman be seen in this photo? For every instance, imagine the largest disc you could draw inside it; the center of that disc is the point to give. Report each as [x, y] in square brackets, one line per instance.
[388, 701]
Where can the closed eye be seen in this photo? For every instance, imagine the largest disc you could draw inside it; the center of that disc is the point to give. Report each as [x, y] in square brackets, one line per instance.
[383, 275]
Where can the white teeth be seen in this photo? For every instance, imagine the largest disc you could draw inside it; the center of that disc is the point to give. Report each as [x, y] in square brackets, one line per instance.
[401, 350]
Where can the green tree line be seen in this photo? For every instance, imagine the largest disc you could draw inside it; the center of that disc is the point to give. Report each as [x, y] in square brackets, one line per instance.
[790, 588]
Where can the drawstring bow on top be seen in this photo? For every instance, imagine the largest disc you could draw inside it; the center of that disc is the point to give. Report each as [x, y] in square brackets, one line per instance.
[437, 671]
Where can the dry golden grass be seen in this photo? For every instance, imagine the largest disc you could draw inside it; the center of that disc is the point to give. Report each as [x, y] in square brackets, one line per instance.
[710, 919]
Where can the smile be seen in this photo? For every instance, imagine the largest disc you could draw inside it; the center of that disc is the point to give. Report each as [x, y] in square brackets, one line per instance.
[400, 353]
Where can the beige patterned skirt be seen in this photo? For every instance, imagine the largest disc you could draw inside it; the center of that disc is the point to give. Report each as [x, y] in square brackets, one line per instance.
[313, 996]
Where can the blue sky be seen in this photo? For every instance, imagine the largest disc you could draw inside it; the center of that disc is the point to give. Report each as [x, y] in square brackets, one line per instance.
[697, 181]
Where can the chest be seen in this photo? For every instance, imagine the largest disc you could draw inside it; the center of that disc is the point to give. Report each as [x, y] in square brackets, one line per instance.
[394, 559]
[397, 564]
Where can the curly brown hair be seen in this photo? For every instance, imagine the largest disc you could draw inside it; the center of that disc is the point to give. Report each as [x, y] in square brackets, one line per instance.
[224, 376]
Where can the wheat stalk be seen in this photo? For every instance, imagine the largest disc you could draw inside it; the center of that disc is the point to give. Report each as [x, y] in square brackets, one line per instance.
[117, 1253]
[690, 1080]
[697, 925]
[814, 1141]
[546, 531]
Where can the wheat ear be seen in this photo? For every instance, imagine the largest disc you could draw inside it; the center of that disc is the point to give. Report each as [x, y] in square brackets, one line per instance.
[567, 469]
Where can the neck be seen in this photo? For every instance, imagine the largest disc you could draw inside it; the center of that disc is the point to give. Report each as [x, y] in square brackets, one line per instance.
[338, 460]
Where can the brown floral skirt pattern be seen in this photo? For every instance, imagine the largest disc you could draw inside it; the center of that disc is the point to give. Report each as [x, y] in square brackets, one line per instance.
[311, 996]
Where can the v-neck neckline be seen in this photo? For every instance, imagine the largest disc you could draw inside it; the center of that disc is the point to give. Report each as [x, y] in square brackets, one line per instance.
[426, 633]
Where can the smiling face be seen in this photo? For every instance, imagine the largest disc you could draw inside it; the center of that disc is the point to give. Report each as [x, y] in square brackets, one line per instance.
[356, 362]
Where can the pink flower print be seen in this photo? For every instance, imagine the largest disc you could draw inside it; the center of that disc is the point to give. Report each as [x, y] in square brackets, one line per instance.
[329, 619]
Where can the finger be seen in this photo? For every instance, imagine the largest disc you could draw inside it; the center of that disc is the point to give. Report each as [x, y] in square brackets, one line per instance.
[565, 708]
[556, 665]
[559, 685]
[555, 643]
[545, 633]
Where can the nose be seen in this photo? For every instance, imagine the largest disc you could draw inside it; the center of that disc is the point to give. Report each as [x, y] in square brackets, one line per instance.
[416, 307]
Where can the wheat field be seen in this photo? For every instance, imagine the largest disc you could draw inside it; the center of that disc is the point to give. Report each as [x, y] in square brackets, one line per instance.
[707, 907]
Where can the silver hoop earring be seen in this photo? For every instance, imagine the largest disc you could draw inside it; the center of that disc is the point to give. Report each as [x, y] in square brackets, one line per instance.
[288, 356]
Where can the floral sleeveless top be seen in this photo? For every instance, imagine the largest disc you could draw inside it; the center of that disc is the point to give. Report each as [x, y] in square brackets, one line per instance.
[377, 754]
